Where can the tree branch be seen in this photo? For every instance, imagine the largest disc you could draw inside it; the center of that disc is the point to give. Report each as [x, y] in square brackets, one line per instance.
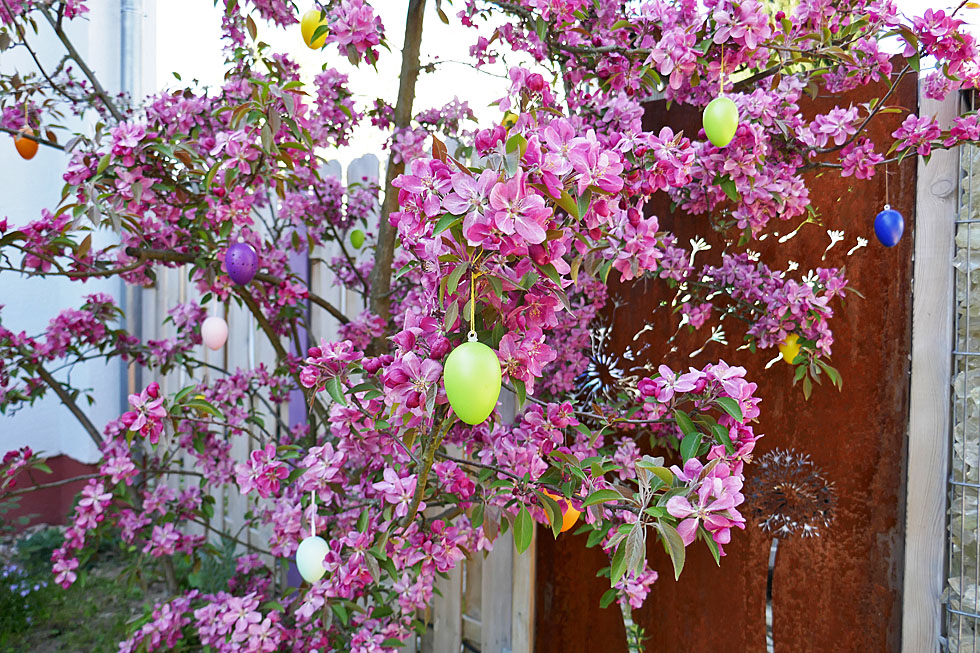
[380, 278]
[40, 141]
[180, 257]
[45, 486]
[70, 404]
[70, 47]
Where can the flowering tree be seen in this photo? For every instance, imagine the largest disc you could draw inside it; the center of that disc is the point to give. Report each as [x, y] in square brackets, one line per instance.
[509, 239]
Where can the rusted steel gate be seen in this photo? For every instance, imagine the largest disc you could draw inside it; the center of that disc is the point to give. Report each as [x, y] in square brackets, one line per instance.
[838, 592]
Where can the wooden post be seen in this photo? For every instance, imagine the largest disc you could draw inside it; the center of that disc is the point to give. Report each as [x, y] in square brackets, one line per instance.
[932, 346]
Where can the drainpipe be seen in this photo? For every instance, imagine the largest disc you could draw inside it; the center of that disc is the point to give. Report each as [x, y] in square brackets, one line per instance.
[130, 32]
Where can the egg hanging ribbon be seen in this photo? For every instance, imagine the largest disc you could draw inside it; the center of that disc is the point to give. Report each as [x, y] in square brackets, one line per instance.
[312, 550]
[720, 117]
[471, 374]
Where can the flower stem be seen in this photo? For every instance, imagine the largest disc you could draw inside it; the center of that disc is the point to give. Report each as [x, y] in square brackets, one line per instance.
[634, 634]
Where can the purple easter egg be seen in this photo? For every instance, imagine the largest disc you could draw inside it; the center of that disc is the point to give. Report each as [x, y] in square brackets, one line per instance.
[241, 263]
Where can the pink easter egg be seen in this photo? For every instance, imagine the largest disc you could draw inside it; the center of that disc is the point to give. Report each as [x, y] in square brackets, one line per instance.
[214, 332]
[241, 263]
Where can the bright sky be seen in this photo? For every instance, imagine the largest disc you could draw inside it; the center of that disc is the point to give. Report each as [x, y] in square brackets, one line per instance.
[199, 57]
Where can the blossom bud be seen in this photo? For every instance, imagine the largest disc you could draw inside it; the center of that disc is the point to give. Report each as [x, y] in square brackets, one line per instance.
[439, 348]
[153, 390]
[535, 82]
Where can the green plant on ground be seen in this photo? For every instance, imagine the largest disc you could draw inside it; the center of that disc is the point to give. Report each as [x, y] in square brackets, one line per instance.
[35, 550]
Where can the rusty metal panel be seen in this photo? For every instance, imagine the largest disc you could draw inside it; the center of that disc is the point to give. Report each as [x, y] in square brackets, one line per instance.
[841, 591]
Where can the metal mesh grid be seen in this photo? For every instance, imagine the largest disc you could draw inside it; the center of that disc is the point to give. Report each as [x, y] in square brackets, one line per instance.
[963, 591]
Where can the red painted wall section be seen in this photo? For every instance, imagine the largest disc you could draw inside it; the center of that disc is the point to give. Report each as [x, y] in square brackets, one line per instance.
[839, 592]
[50, 505]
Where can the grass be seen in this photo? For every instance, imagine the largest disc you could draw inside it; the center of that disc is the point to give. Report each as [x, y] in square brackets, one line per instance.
[91, 615]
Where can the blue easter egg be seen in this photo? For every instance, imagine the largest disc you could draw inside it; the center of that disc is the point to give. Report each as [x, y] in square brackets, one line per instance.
[889, 226]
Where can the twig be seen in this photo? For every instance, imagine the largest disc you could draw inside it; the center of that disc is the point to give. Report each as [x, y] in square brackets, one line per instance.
[69, 403]
[31, 137]
[45, 486]
[96, 85]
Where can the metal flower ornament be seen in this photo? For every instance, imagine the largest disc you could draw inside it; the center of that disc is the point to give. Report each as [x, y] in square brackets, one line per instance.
[483, 268]
[788, 496]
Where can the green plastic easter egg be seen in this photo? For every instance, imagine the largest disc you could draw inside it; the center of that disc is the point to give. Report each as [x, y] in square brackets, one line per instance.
[720, 121]
[472, 380]
[357, 238]
[309, 558]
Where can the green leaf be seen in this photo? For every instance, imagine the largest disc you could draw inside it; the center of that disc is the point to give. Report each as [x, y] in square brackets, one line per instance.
[335, 389]
[517, 143]
[689, 445]
[340, 611]
[445, 222]
[713, 548]
[608, 597]
[730, 406]
[684, 422]
[551, 273]
[103, 163]
[183, 393]
[675, 547]
[521, 390]
[728, 186]
[567, 202]
[601, 496]
[452, 282]
[553, 508]
[452, 314]
[721, 434]
[523, 530]
[205, 407]
[618, 565]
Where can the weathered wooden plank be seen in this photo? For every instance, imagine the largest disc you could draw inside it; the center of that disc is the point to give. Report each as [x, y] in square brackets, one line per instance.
[447, 615]
[522, 606]
[498, 568]
[932, 344]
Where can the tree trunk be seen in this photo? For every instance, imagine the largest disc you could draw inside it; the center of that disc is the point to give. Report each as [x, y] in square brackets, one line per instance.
[380, 280]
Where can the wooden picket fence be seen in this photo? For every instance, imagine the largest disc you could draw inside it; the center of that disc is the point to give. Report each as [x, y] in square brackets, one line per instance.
[486, 603]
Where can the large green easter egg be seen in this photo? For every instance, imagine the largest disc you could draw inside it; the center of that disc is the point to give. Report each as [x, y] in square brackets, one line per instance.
[720, 121]
[472, 380]
[309, 558]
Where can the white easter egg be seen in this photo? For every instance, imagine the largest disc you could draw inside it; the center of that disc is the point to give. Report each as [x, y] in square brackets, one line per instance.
[309, 558]
[214, 332]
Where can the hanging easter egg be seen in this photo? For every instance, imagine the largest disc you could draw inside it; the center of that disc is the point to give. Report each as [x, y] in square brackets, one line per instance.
[309, 558]
[214, 332]
[889, 226]
[241, 263]
[790, 348]
[311, 21]
[569, 514]
[720, 120]
[26, 147]
[472, 380]
[357, 238]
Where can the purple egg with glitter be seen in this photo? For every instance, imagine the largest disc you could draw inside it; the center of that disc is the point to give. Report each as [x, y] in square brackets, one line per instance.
[241, 263]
